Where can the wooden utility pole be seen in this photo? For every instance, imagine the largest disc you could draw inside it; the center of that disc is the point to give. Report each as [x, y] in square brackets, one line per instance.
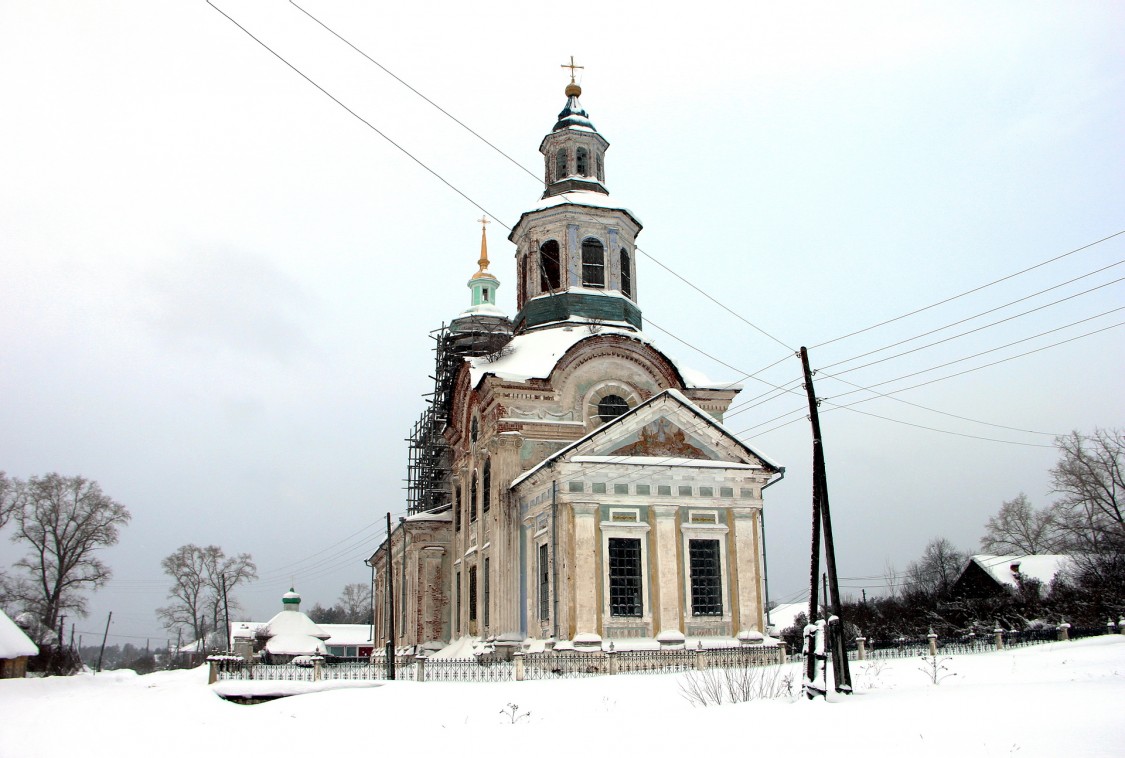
[226, 609]
[390, 606]
[104, 636]
[822, 518]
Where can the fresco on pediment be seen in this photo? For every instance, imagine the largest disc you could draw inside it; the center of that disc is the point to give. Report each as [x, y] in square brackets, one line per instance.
[661, 438]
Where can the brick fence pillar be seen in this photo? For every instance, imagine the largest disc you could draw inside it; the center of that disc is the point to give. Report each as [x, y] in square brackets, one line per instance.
[517, 656]
[420, 667]
[700, 657]
[861, 648]
[933, 642]
[784, 653]
[1064, 632]
[999, 638]
[611, 655]
[212, 672]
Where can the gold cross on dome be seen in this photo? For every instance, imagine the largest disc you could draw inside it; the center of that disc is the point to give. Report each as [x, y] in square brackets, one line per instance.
[572, 66]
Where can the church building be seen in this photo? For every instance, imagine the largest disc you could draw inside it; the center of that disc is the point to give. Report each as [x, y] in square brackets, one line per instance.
[569, 481]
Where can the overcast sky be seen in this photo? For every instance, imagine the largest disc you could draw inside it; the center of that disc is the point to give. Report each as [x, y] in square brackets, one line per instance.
[217, 284]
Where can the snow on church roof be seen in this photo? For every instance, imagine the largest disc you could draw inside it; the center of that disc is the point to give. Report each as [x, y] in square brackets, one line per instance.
[13, 642]
[582, 197]
[534, 355]
[677, 395]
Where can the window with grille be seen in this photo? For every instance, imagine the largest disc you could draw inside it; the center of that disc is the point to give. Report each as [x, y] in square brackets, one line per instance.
[474, 491]
[593, 263]
[472, 593]
[544, 584]
[611, 406]
[485, 591]
[486, 485]
[549, 268]
[560, 163]
[625, 577]
[626, 274]
[706, 578]
[583, 161]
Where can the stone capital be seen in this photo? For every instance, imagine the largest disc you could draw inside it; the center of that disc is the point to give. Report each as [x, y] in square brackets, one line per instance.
[665, 511]
[584, 509]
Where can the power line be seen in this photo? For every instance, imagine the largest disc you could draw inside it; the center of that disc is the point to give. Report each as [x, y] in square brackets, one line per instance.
[968, 292]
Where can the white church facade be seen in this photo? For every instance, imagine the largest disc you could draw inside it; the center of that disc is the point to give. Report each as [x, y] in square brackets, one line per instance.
[569, 481]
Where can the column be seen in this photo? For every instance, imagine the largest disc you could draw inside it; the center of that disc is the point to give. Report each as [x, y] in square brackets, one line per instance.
[587, 555]
[748, 566]
[667, 615]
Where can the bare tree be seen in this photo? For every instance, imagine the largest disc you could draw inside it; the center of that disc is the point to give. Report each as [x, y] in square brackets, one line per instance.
[9, 497]
[1090, 512]
[1020, 529]
[65, 520]
[938, 568]
[200, 576]
[355, 601]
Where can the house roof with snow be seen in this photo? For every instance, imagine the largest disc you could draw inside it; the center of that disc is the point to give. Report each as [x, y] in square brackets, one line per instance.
[1003, 569]
[13, 642]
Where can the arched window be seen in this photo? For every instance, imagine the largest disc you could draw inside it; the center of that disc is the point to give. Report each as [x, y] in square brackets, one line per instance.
[473, 499]
[626, 274]
[560, 164]
[611, 406]
[583, 161]
[474, 429]
[593, 263]
[549, 268]
[601, 168]
[457, 506]
[486, 486]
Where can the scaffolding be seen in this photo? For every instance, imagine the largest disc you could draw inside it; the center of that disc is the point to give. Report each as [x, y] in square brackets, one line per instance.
[428, 482]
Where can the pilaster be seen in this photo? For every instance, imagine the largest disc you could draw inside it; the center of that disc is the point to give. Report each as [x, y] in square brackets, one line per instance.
[668, 613]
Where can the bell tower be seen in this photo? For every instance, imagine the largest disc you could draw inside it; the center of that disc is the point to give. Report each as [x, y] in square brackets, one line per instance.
[575, 250]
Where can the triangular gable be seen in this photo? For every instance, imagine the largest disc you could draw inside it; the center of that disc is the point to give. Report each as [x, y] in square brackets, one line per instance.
[667, 428]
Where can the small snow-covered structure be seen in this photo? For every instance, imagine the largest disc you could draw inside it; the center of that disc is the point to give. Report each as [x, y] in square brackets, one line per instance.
[291, 633]
[990, 575]
[15, 648]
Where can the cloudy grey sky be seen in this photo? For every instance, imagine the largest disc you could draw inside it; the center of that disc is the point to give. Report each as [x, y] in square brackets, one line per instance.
[218, 284]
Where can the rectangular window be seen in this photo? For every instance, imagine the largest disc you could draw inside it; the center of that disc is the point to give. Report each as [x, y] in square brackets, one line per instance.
[707, 492]
[706, 579]
[575, 486]
[544, 584]
[625, 577]
[663, 489]
[643, 489]
[621, 489]
[685, 490]
[486, 593]
[458, 602]
[472, 593]
[726, 491]
[599, 488]
[746, 492]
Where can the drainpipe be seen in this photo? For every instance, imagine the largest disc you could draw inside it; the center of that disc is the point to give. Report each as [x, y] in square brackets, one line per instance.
[765, 561]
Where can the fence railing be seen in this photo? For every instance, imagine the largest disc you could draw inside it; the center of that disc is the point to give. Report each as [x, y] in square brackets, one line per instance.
[912, 647]
[549, 664]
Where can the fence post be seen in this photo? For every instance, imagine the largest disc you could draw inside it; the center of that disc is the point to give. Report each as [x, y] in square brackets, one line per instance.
[212, 672]
[611, 654]
[784, 653]
[999, 637]
[420, 667]
[860, 649]
[517, 656]
[933, 642]
[1064, 632]
[700, 657]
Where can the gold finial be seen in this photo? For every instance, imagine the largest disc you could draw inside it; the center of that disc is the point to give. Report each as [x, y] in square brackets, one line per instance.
[572, 89]
[483, 262]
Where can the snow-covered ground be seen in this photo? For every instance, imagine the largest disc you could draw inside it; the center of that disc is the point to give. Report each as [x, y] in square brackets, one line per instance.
[1061, 699]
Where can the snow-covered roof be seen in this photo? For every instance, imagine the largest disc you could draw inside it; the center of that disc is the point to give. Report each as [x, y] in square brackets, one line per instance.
[296, 644]
[1041, 567]
[288, 623]
[484, 309]
[534, 355]
[13, 642]
[785, 615]
[347, 634]
[679, 397]
[587, 198]
[662, 460]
